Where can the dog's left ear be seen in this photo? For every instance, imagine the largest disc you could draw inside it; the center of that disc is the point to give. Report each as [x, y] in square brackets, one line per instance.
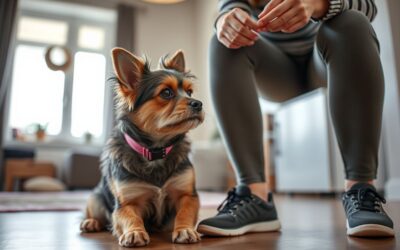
[128, 67]
[176, 62]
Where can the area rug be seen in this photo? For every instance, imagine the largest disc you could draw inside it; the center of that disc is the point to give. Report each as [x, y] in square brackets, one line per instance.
[71, 201]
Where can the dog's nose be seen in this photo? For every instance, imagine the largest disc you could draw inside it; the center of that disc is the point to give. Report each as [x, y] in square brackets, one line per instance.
[195, 105]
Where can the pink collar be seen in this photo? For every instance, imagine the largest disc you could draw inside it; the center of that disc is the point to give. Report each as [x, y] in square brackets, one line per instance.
[149, 154]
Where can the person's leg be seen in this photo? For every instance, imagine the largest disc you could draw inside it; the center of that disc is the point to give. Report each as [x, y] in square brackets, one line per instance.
[234, 73]
[348, 46]
[233, 77]
[350, 49]
[317, 77]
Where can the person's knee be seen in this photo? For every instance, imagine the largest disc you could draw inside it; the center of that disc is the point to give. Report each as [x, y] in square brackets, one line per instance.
[214, 42]
[219, 49]
[225, 58]
[348, 28]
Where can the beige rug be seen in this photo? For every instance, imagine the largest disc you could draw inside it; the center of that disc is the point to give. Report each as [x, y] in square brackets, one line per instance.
[71, 201]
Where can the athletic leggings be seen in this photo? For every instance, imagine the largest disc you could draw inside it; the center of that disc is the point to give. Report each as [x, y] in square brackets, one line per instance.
[345, 59]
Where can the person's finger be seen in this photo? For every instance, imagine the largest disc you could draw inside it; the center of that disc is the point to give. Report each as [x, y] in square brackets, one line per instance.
[228, 43]
[293, 21]
[295, 26]
[276, 12]
[243, 30]
[272, 4]
[236, 37]
[245, 18]
[281, 21]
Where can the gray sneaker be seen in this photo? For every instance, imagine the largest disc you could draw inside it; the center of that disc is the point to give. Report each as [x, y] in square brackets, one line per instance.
[364, 212]
[240, 213]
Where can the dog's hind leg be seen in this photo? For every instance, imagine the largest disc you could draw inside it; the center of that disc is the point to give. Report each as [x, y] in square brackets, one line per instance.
[95, 216]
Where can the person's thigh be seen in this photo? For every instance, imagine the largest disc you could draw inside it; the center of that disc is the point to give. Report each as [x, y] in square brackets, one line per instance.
[276, 73]
[316, 71]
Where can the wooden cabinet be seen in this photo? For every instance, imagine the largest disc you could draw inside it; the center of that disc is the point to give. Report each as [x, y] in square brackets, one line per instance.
[21, 169]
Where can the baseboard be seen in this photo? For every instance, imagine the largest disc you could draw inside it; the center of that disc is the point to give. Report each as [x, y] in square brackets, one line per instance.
[392, 189]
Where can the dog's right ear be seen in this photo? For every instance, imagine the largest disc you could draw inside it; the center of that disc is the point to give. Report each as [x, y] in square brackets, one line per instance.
[128, 67]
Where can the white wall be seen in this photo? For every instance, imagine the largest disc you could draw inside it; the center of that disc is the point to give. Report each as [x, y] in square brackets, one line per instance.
[205, 15]
[188, 25]
[162, 29]
[387, 28]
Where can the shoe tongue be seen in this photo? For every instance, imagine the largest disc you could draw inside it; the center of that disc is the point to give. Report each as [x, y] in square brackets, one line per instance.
[360, 185]
[242, 190]
[368, 200]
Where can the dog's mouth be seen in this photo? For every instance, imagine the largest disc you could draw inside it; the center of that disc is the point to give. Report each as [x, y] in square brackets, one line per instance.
[197, 118]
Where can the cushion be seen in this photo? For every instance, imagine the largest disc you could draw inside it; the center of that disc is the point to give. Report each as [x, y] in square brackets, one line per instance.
[43, 184]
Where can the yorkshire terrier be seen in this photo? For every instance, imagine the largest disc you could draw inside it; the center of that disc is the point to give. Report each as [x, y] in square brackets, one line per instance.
[148, 181]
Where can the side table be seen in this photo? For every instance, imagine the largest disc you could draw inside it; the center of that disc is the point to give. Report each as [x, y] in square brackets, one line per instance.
[24, 169]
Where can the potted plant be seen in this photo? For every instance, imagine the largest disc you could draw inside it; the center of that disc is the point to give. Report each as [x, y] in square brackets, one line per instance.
[88, 137]
[40, 131]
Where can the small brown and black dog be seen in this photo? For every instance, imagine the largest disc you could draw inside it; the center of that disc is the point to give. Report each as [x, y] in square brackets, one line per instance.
[148, 181]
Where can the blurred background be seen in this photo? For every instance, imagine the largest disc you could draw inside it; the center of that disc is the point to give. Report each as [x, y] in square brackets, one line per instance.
[57, 107]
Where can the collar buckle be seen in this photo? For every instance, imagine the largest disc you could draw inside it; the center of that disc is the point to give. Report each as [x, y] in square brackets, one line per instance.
[155, 154]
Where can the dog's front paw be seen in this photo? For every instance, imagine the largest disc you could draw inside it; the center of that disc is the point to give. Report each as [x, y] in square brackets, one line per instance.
[185, 235]
[90, 225]
[134, 239]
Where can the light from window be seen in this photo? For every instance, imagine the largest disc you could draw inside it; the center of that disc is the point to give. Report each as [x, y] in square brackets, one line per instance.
[91, 37]
[37, 92]
[42, 30]
[88, 94]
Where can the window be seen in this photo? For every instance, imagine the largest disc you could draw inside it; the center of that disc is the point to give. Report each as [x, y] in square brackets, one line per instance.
[88, 94]
[68, 104]
[42, 30]
[91, 37]
[37, 92]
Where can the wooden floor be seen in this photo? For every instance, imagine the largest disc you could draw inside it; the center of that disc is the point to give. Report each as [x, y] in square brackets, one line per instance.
[308, 223]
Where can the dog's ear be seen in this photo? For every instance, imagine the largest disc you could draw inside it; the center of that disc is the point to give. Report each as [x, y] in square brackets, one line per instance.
[128, 67]
[176, 62]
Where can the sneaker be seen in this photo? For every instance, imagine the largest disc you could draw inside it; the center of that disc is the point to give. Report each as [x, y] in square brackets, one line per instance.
[240, 213]
[364, 212]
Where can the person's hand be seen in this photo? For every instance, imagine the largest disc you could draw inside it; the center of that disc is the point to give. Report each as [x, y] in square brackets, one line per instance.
[236, 29]
[290, 15]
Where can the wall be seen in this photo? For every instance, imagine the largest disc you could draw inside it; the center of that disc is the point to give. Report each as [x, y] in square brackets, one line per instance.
[189, 25]
[387, 28]
[205, 15]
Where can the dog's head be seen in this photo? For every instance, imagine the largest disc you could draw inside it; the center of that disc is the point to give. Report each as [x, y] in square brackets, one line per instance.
[158, 102]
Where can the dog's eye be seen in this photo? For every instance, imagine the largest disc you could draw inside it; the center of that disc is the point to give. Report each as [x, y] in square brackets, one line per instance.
[189, 92]
[167, 94]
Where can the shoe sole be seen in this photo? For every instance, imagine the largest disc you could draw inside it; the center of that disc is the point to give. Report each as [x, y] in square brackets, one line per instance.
[269, 226]
[370, 230]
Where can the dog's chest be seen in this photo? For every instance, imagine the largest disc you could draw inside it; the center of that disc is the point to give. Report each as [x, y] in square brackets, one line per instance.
[152, 199]
[157, 173]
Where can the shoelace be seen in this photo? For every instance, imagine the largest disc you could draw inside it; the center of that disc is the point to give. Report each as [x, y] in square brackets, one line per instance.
[231, 202]
[367, 199]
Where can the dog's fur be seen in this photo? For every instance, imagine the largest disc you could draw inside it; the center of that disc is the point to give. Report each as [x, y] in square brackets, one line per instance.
[136, 195]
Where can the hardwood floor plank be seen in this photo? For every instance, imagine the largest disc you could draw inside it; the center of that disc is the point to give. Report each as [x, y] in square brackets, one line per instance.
[307, 223]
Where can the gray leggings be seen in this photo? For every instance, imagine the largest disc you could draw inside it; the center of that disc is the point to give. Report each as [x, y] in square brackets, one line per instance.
[346, 56]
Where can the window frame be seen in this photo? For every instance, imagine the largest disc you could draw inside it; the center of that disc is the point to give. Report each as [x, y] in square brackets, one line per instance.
[65, 137]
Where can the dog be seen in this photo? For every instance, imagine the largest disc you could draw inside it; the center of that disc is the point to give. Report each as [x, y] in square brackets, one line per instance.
[148, 181]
